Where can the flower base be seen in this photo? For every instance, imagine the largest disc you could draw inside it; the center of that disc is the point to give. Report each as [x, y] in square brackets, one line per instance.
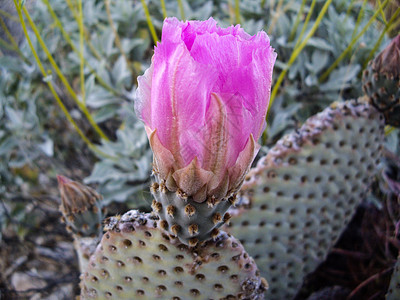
[190, 221]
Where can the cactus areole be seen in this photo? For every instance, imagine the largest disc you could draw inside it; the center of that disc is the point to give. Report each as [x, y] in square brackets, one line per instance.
[203, 102]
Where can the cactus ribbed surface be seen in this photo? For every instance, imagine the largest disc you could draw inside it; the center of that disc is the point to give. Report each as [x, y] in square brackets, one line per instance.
[187, 219]
[137, 259]
[303, 193]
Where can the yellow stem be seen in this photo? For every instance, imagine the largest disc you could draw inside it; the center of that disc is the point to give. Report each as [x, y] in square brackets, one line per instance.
[86, 33]
[389, 129]
[116, 35]
[349, 9]
[275, 15]
[386, 29]
[382, 12]
[81, 106]
[69, 41]
[164, 9]
[231, 12]
[81, 49]
[297, 21]
[296, 53]
[6, 45]
[181, 10]
[237, 11]
[303, 29]
[12, 41]
[149, 23]
[8, 15]
[360, 15]
[352, 43]
[93, 147]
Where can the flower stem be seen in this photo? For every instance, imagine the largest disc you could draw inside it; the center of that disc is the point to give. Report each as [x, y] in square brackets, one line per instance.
[6, 45]
[86, 34]
[237, 11]
[349, 10]
[81, 48]
[149, 23]
[359, 17]
[382, 12]
[8, 15]
[164, 9]
[297, 21]
[116, 35]
[14, 45]
[389, 129]
[181, 10]
[303, 29]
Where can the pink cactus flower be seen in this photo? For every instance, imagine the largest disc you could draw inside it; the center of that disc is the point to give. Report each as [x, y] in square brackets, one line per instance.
[203, 102]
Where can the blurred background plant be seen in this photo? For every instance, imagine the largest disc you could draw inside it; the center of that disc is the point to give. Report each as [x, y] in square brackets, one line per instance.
[68, 73]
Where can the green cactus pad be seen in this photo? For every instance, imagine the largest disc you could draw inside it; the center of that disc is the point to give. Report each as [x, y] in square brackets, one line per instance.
[190, 221]
[136, 259]
[301, 196]
[394, 287]
[383, 91]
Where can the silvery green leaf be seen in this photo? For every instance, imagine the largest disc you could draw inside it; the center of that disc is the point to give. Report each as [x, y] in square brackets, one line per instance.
[121, 194]
[120, 72]
[47, 147]
[89, 84]
[99, 97]
[105, 113]
[15, 117]
[392, 141]
[319, 59]
[48, 78]
[8, 144]
[340, 78]
[311, 80]
[319, 43]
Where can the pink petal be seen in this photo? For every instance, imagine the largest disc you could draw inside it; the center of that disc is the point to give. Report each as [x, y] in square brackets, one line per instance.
[163, 158]
[180, 89]
[143, 96]
[238, 171]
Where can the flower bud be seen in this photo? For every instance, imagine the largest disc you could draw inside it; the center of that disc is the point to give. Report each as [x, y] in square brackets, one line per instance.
[80, 207]
[388, 61]
[203, 101]
[381, 82]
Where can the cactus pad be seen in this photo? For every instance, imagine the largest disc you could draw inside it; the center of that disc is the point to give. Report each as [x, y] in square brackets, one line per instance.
[136, 259]
[303, 193]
